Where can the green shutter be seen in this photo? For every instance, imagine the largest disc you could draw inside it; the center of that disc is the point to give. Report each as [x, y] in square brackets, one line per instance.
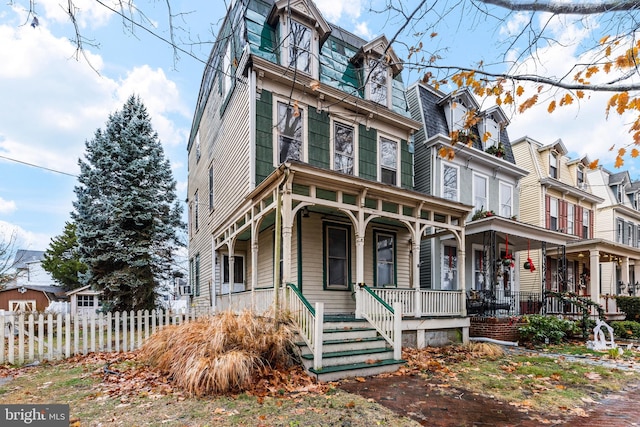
[264, 136]
[319, 133]
[368, 150]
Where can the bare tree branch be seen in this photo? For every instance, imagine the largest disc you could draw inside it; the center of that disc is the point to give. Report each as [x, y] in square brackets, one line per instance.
[566, 8]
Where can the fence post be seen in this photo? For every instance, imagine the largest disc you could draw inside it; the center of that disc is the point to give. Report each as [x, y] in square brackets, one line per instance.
[418, 303]
[41, 336]
[92, 325]
[67, 341]
[12, 338]
[21, 339]
[397, 330]
[3, 330]
[132, 328]
[125, 330]
[318, 331]
[31, 332]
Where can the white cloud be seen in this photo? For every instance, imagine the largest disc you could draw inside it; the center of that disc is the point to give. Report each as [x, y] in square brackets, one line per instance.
[514, 25]
[7, 206]
[362, 30]
[335, 10]
[88, 13]
[23, 239]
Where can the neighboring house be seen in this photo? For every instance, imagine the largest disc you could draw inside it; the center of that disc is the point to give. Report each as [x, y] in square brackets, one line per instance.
[84, 301]
[29, 271]
[481, 172]
[301, 172]
[29, 298]
[557, 195]
[618, 221]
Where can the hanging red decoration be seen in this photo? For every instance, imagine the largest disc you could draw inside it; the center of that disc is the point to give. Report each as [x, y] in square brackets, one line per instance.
[529, 264]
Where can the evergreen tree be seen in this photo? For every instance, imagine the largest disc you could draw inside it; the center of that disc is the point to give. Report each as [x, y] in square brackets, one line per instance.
[62, 258]
[127, 212]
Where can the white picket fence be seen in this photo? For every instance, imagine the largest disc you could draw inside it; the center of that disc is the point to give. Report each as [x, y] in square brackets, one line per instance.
[26, 338]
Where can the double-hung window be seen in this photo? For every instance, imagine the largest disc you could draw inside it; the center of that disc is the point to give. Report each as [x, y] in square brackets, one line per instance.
[290, 132]
[300, 50]
[385, 259]
[571, 208]
[553, 214]
[449, 267]
[553, 164]
[450, 182]
[343, 148]
[388, 161]
[211, 188]
[337, 252]
[585, 223]
[480, 192]
[378, 81]
[506, 200]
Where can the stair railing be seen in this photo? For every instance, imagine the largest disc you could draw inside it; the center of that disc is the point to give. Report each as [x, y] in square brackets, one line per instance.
[309, 321]
[386, 319]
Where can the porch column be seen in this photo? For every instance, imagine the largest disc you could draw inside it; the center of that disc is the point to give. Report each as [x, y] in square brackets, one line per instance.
[254, 268]
[636, 270]
[415, 267]
[359, 270]
[594, 268]
[462, 275]
[231, 270]
[287, 225]
[625, 271]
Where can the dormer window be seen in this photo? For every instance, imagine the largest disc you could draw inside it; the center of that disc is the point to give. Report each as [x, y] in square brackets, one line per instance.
[302, 30]
[580, 177]
[457, 106]
[300, 48]
[553, 164]
[378, 85]
[619, 191]
[491, 134]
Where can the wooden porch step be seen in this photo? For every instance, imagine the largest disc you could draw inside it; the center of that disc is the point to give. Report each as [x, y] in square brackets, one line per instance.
[352, 333]
[334, 373]
[332, 346]
[349, 357]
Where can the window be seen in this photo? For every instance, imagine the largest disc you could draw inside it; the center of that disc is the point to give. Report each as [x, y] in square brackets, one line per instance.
[300, 50]
[553, 214]
[571, 218]
[343, 148]
[492, 131]
[289, 132]
[195, 211]
[227, 71]
[586, 217]
[619, 230]
[211, 188]
[479, 270]
[237, 285]
[480, 192]
[458, 114]
[450, 182]
[506, 197]
[85, 301]
[638, 237]
[337, 256]
[385, 259]
[197, 275]
[580, 176]
[630, 234]
[449, 267]
[378, 74]
[553, 164]
[198, 152]
[388, 161]
[619, 189]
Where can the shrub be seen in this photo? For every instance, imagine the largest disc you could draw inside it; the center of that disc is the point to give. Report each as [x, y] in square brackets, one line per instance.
[629, 306]
[539, 329]
[626, 329]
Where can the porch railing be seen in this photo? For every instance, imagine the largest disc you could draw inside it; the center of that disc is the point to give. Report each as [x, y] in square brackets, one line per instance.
[441, 303]
[309, 321]
[386, 319]
[503, 303]
[406, 297]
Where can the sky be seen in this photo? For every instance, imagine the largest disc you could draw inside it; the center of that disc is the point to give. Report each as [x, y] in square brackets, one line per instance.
[53, 100]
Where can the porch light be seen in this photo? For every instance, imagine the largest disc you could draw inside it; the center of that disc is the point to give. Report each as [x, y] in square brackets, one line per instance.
[580, 255]
[305, 212]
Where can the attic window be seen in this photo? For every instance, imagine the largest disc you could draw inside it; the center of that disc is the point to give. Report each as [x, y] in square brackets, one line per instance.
[491, 132]
[553, 164]
[378, 84]
[580, 176]
[300, 52]
[458, 114]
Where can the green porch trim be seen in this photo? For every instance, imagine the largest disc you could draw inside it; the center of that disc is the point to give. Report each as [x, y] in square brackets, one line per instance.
[299, 239]
[306, 303]
[380, 300]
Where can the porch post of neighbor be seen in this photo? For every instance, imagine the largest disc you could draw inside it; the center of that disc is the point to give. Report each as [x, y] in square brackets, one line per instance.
[359, 272]
[318, 329]
[625, 271]
[232, 262]
[254, 269]
[636, 270]
[594, 282]
[416, 274]
[397, 330]
[461, 275]
[287, 225]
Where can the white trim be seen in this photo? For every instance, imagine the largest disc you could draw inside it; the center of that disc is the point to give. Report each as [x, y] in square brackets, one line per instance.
[22, 305]
[389, 79]
[224, 286]
[441, 186]
[305, 118]
[476, 247]
[284, 51]
[443, 258]
[484, 206]
[332, 146]
[398, 150]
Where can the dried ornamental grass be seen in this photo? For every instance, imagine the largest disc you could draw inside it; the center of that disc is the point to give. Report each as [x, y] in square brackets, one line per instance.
[221, 353]
[485, 349]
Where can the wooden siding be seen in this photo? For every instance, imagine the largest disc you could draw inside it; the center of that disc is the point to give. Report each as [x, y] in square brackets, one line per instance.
[264, 136]
[530, 281]
[40, 297]
[531, 209]
[368, 152]
[319, 138]
[265, 258]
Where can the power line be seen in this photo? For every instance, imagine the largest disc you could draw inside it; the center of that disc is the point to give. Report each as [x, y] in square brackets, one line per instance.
[38, 166]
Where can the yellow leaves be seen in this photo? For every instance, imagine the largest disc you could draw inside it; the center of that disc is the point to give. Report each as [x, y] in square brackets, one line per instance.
[519, 91]
[434, 34]
[580, 94]
[552, 106]
[447, 153]
[607, 51]
[508, 99]
[530, 102]
[635, 153]
[591, 71]
[621, 102]
[604, 39]
[296, 109]
[566, 100]
[486, 136]
[593, 164]
[622, 152]
[314, 85]
[619, 162]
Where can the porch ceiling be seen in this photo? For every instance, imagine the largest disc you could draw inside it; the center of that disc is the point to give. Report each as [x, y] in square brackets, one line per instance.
[607, 249]
[521, 235]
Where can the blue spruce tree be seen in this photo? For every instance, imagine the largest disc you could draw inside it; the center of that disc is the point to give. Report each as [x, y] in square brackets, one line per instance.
[127, 214]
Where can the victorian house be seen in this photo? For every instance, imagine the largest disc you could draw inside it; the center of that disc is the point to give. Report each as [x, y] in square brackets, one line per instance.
[301, 193]
[478, 169]
[557, 195]
[618, 224]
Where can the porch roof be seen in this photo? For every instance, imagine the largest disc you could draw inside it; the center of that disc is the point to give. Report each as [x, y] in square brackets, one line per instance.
[521, 235]
[608, 250]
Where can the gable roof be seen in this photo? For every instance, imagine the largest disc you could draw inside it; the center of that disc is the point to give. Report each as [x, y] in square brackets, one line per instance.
[557, 145]
[619, 178]
[380, 47]
[302, 8]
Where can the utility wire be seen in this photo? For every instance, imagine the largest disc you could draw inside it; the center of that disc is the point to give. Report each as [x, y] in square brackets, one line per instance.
[38, 166]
